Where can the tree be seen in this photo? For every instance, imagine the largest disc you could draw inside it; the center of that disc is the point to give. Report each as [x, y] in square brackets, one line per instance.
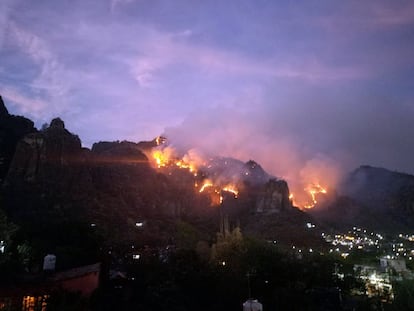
[228, 247]
[7, 232]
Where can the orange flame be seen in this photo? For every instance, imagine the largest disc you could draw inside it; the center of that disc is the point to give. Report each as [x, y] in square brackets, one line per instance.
[206, 184]
[165, 157]
[160, 140]
[160, 158]
[232, 189]
[292, 199]
[314, 190]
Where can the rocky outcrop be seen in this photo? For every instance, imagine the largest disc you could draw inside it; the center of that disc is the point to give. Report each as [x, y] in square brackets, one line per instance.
[112, 185]
[3, 109]
[48, 176]
[46, 155]
[274, 197]
[12, 129]
[52, 179]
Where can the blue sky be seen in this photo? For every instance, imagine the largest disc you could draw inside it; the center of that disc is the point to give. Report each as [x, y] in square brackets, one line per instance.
[294, 84]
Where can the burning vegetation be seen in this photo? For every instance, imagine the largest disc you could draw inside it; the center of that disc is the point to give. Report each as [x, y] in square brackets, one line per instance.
[210, 178]
[309, 199]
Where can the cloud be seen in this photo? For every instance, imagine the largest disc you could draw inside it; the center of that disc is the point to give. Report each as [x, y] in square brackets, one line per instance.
[392, 14]
[31, 44]
[163, 50]
[116, 3]
[50, 81]
[289, 83]
[4, 16]
[28, 105]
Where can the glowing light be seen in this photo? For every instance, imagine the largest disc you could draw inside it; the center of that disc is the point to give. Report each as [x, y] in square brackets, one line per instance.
[182, 164]
[160, 158]
[167, 158]
[158, 140]
[314, 190]
[232, 189]
[292, 200]
[206, 184]
[344, 255]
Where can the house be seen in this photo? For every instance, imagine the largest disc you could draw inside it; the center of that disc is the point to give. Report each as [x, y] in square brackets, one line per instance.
[32, 293]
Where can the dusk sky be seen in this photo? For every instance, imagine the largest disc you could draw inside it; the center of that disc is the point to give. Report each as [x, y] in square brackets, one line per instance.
[292, 84]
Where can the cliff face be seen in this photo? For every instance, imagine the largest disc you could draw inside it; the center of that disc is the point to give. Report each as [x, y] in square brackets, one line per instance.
[46, 155]
[12, 129]
[51, 180]
[274, 197]
[48, 175]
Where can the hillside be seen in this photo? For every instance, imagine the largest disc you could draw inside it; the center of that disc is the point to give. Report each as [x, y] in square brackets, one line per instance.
[72, 200]
[372, 197]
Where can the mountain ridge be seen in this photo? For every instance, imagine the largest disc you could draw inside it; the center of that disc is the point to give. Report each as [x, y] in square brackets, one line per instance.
[114, 185]
[52, 181]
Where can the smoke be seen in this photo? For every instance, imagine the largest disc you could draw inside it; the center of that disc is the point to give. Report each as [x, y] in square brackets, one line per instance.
[304, 133]
[244, 135]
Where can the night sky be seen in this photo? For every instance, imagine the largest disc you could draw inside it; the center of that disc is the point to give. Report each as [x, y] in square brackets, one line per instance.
[299, 86]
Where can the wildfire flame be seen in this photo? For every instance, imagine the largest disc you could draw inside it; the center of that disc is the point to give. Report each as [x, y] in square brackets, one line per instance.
[206, 184]
[229, 188]
[159, 140]
[232, 189]
[160, 158]
[165, 158]
[292, 199]
[314, 190]
[189, 166]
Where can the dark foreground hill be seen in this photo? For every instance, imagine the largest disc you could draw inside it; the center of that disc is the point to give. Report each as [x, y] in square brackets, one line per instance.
[372, 197]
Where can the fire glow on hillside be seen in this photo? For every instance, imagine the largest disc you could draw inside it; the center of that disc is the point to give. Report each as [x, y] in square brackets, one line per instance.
[166, 156]
[312, 192]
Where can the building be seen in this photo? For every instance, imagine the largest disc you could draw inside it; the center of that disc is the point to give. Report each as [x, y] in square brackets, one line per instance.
[32, 293]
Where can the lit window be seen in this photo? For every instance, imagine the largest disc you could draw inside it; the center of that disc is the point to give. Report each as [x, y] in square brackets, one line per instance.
[32, 303]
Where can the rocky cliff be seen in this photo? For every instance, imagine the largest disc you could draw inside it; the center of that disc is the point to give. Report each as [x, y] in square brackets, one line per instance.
[48, 175]
[12, 129]
[52, 181]
[273, 197]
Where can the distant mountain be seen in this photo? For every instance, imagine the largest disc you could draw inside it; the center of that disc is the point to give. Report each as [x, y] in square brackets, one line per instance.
[372, 197]
[51, 183]
[379, 188]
